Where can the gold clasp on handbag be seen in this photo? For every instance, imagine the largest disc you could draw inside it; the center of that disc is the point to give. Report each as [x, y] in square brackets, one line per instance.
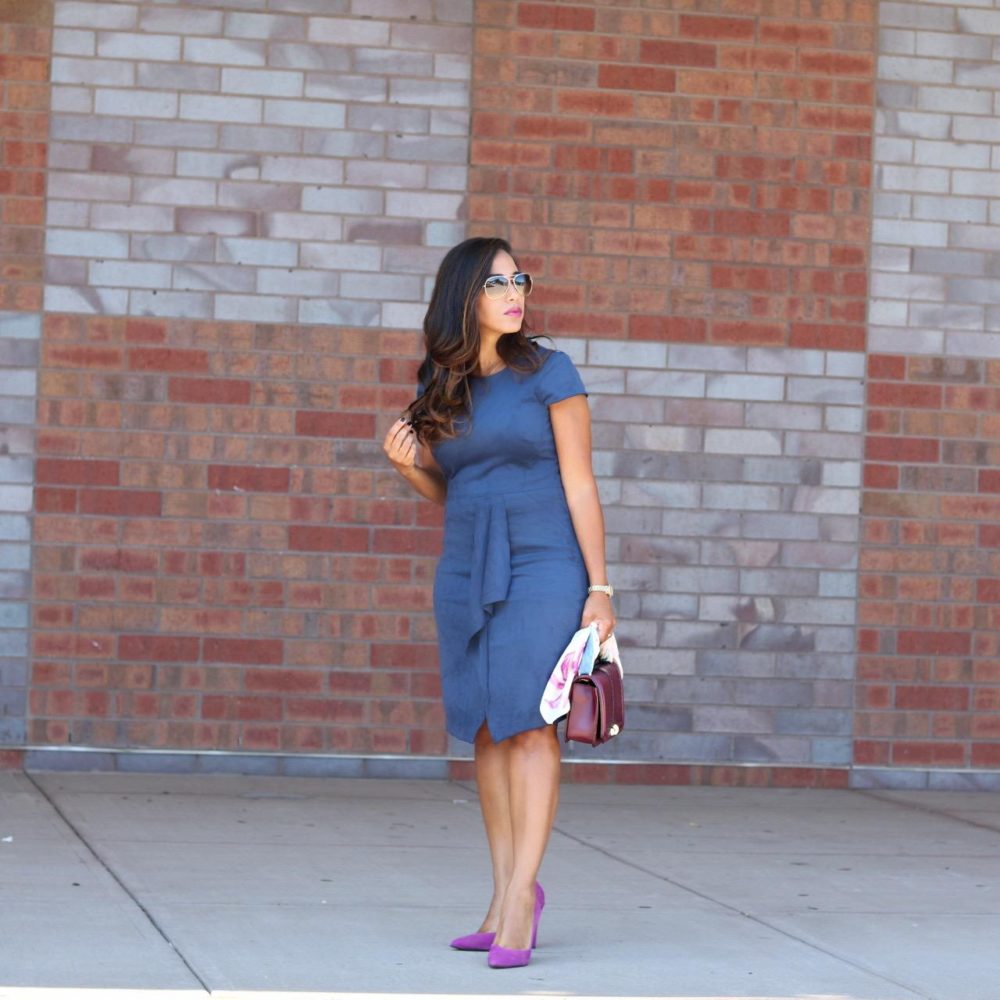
[613, 731]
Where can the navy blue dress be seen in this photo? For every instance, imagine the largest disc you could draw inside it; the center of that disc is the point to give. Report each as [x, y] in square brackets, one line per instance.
[511, 583]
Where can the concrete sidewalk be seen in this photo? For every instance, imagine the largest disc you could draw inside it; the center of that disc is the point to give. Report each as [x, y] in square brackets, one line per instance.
[114, 884]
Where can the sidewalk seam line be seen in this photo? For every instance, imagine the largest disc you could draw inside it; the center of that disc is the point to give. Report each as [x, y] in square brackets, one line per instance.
[879, 796]
[114, 875]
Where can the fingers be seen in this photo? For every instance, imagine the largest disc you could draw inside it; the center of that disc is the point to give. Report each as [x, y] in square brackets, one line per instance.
[605, 626]
[400, 444]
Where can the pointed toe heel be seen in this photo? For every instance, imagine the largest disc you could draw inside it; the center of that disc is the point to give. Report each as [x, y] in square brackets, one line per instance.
[480, 941]
[514, 958]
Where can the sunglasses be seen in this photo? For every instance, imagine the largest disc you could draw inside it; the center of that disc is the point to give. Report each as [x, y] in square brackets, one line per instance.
[496, 285]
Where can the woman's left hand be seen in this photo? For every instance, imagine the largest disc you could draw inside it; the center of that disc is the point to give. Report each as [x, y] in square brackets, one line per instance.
[598, 609]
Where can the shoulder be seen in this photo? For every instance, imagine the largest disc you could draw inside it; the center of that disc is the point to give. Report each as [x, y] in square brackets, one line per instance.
[557, 377]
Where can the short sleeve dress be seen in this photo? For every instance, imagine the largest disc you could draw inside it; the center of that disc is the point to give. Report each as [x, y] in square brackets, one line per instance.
[511, 583]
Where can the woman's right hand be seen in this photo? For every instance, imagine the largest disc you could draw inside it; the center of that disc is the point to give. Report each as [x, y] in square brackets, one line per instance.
[400, 445]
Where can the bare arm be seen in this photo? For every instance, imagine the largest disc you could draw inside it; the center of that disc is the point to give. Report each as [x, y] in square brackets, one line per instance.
[414, 462]
[571, 429]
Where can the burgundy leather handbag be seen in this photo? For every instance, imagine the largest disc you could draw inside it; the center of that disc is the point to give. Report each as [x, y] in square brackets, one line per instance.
[596, 705]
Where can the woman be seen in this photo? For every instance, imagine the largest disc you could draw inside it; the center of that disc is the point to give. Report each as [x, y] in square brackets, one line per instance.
[500, 434]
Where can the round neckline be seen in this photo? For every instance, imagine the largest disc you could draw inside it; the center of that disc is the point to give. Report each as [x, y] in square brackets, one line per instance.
[493, 374]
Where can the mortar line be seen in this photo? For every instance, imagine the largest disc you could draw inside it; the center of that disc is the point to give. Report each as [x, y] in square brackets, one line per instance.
[114, 875]
[733, 909]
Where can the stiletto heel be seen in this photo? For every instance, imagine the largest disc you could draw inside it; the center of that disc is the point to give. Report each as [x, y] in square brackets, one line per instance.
[512, 958]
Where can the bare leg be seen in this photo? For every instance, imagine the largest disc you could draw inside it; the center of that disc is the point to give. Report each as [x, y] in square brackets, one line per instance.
[492, 769]
[534, 795]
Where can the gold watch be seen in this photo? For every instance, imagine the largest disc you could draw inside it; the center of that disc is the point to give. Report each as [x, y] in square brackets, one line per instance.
[601, 588]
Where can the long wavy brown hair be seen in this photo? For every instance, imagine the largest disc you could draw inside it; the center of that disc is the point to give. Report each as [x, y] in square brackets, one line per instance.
[451, 338]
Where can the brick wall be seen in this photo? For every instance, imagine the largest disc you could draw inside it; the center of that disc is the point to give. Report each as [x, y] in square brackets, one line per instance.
[25, 40]
[693, 191]
[928, 689]
[222, 557]
[222, 163]
[246, 203]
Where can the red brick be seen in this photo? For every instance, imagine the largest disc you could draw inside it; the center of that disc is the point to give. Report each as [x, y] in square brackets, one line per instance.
[715, 29]
[169, 648]
[338, 425]
[167, 359]
[315, 538]
[555, 17]
[219, 650]
[285, 679]
[929, 643]
[130, 503]
[671, 53]
[401, 540]
[683, 329]
[932, 699]
[917, 753]
[901, 449]
[246, 478]
[636, 78]
[82, 356]
[595, 104]
[208, 390]
[902, 394]
[70, 471]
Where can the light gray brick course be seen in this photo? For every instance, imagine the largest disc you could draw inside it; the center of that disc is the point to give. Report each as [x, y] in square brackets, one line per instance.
[742, 442]
[128, 274]
[898, 41]
[182, 20]
[212, 278]
[369, 60]
[918, 15]
[978, 22]
[676, 384]
[225, 51]
[20, 325]
[207, 107]
[72, 14]
[289, 55]
[657, 493]
[894, 150]
[192, 305]
[86, 300]
[948, 209]
[346, 87]
[266, 82]
[135, 103]
[428, 93]
[742, 496]
[965, 100]
[73, 42]
[200, 135]
[243, 24]
[76, 100]
[348, 31]
[747, 387]
[971, 46]
[898, 178]
[915, 69]
[352, 201]
[138, 45]
[842, 391]
[92, 72]
[345, 312]
[707, 358]
[781, 361]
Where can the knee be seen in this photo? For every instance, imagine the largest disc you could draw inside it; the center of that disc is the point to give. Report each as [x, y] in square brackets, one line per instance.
[533, 739]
